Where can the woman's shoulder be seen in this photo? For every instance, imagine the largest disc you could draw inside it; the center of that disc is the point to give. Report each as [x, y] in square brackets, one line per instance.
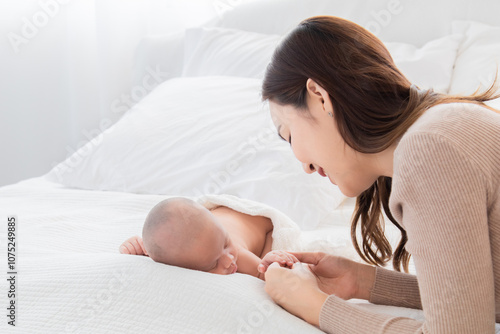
[451, 147]
[457, 120]
[469, 128]
[458, 139]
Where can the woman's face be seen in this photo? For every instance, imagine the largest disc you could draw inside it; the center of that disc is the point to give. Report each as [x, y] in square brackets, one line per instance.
[316, 142]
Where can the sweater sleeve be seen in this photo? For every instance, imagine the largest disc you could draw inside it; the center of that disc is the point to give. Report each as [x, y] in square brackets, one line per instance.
[395, 288]
[440, 196]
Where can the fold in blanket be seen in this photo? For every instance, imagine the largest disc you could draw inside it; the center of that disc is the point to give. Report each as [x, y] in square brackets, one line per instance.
[287, 235]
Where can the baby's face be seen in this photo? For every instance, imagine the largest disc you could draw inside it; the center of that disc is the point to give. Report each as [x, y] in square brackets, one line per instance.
[216, 252]
[208, 246]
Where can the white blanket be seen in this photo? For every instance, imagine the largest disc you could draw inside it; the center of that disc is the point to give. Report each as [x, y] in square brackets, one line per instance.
[286, 233]
[71, 278]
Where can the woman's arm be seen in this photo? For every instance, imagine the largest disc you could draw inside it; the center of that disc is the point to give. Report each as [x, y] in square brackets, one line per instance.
[396, 289]
[297, 291]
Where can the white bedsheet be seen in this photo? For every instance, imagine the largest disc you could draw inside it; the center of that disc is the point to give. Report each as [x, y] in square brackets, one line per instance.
[71, 278]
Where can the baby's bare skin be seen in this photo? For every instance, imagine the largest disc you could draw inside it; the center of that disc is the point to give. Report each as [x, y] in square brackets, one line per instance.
[252, 235]
[133, 246]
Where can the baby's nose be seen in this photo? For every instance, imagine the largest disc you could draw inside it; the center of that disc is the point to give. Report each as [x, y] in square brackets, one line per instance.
[229, 260]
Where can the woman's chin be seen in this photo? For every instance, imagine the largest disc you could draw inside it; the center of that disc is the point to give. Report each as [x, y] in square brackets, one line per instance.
[348, 192]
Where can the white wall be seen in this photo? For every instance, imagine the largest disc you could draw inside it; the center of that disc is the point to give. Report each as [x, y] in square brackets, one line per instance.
[62, 65]
[30, 137]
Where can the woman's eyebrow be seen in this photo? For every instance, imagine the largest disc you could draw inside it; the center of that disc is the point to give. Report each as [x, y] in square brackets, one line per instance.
[279, 128]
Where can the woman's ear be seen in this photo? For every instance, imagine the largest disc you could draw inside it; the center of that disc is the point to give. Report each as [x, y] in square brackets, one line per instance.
[318, 95]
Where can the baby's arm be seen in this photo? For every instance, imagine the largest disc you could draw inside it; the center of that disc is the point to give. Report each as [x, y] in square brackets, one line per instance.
[248, 262]
[133, 246]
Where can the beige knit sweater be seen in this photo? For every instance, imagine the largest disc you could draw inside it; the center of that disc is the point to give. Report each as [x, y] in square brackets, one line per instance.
[446, 194]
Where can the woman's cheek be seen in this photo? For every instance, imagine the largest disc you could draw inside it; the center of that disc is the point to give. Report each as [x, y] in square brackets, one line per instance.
[300, 152]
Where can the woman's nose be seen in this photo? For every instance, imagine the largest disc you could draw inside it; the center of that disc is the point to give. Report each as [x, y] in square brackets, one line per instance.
[308, 168]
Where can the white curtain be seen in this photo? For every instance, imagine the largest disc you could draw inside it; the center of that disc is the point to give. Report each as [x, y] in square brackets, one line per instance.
[66, 71]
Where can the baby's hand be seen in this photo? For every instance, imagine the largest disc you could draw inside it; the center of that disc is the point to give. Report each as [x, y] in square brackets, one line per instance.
[283, 258]
[133, 246]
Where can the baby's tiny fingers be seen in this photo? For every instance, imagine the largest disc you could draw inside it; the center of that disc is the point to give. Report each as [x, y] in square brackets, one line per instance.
[125, 249]
[284, 262]
[137, 248]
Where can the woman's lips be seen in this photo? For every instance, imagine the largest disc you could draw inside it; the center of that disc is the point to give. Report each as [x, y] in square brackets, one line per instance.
[321, 172]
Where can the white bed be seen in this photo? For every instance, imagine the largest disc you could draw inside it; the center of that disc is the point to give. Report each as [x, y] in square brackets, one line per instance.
[71, 278]
[205, 130]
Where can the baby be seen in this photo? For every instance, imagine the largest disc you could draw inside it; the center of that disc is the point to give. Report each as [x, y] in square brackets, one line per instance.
[181, 232]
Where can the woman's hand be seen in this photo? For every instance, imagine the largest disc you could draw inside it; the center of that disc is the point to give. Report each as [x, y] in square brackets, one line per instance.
[284, 259]
[296, 290]
[339, 276]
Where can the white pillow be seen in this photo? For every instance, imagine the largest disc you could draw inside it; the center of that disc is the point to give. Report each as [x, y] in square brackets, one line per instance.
[478, 58]
[430, 66]
[229, 52]
[195, 136]
[219, 51]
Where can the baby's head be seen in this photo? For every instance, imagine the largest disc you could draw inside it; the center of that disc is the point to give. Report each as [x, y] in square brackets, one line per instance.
[183, 233]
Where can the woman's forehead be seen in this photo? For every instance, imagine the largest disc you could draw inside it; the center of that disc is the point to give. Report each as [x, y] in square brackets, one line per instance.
[281, 113]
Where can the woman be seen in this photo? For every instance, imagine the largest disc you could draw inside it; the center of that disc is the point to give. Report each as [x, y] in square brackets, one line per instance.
[431, 161]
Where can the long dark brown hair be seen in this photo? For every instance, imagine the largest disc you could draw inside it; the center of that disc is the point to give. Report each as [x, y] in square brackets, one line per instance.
[373, 102]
